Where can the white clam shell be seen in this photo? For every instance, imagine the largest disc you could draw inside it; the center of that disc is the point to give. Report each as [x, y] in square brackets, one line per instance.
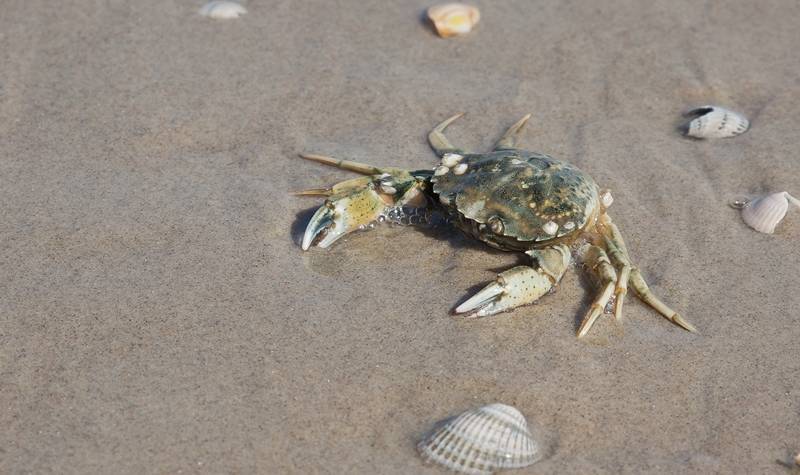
[550, 227]
[451, 159]
[712, 122]
[765, 212]
[481, 441]
[453, 19]
[221, 10]
[460, 169]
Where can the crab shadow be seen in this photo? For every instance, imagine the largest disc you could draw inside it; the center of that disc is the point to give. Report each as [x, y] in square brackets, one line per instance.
[301, 220]
[587, 283]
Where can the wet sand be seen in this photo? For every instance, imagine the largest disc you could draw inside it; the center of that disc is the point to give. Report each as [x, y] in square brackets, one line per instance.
[158, 315]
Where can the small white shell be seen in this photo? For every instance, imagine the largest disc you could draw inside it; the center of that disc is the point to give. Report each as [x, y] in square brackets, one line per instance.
[453, 19]
[712, 122]
[460, 169]
[451, 159]
[440, 170]
[764, 213]
[222, 10]
[550, 227]
[606, 199]
[481, 441]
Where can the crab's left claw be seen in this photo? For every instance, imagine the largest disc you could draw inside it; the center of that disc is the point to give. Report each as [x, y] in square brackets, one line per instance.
[343, 213]
[520, 285]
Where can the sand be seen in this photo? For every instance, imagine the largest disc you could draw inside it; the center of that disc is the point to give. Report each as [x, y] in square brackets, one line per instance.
[158, 315]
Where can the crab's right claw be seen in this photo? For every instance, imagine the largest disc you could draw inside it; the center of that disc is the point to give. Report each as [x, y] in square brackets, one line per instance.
[321, 223]
[518, 286]
[341, 214]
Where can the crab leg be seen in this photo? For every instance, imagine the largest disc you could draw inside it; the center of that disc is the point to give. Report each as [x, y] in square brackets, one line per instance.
[619, 256]
[645, 295]
[597, 260]
[439, 142]
[619, 253]
[357, 167]
[519, 285]
[509, 139]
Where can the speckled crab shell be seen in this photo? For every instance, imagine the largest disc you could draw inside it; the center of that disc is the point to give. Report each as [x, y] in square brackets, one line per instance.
[513, 197]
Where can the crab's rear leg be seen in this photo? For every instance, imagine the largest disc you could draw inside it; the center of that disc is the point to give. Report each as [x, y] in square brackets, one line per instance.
[597, 261]
[439, 142]
[509, 139]
[520, 285]
[619, 254]
[356, 203]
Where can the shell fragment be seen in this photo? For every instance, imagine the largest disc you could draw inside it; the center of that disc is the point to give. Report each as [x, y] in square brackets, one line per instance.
[453, 19]
[222, 10]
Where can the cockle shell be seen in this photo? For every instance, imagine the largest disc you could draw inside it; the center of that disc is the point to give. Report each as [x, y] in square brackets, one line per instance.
[765, 212]
[453, 19]
[712, 122]
[482, 441]
[221, 10]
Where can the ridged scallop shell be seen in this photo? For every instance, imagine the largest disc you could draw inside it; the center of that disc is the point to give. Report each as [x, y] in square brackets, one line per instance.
[482, 441]
[712, 122]
[220, 10]
[453, 19]
[764, 213]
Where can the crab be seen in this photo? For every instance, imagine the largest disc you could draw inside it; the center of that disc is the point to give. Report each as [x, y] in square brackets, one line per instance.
[509, 198]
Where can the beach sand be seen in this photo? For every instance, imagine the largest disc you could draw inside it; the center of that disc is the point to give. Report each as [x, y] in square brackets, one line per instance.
[159, 316]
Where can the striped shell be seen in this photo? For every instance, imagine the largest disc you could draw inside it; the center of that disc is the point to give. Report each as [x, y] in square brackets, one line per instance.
[453, 19]
[482, 441]
[222, 10]
[764, 213]
[711, 122]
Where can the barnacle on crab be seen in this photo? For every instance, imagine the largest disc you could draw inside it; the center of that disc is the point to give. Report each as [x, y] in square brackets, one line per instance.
[510, 199]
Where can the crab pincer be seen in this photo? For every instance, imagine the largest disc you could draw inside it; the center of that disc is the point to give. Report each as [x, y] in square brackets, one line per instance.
[357, 203]
[519, 285]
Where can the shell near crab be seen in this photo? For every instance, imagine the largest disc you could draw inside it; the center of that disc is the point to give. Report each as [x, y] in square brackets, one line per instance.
[481, 441]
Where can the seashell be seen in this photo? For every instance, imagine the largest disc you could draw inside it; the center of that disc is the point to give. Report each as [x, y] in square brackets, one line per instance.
[765, 212]
[440, 170]
[221, 10]
[453, 19]
[460, 169]
[550, 227]
[481, 441]
[451, 159]
[712, 122]
[606, 199]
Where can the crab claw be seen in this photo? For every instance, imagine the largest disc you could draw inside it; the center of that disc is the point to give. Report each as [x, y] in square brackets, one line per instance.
[517, 286]
[341, 214]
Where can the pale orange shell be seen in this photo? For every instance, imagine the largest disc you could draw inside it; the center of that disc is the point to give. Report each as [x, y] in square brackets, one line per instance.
[453, 19]
[764, 213]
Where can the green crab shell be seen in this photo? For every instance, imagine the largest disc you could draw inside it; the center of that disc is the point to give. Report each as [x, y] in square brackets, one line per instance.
[524, 196]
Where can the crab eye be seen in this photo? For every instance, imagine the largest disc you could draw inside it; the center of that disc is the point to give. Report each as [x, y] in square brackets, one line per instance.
[496, 225]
